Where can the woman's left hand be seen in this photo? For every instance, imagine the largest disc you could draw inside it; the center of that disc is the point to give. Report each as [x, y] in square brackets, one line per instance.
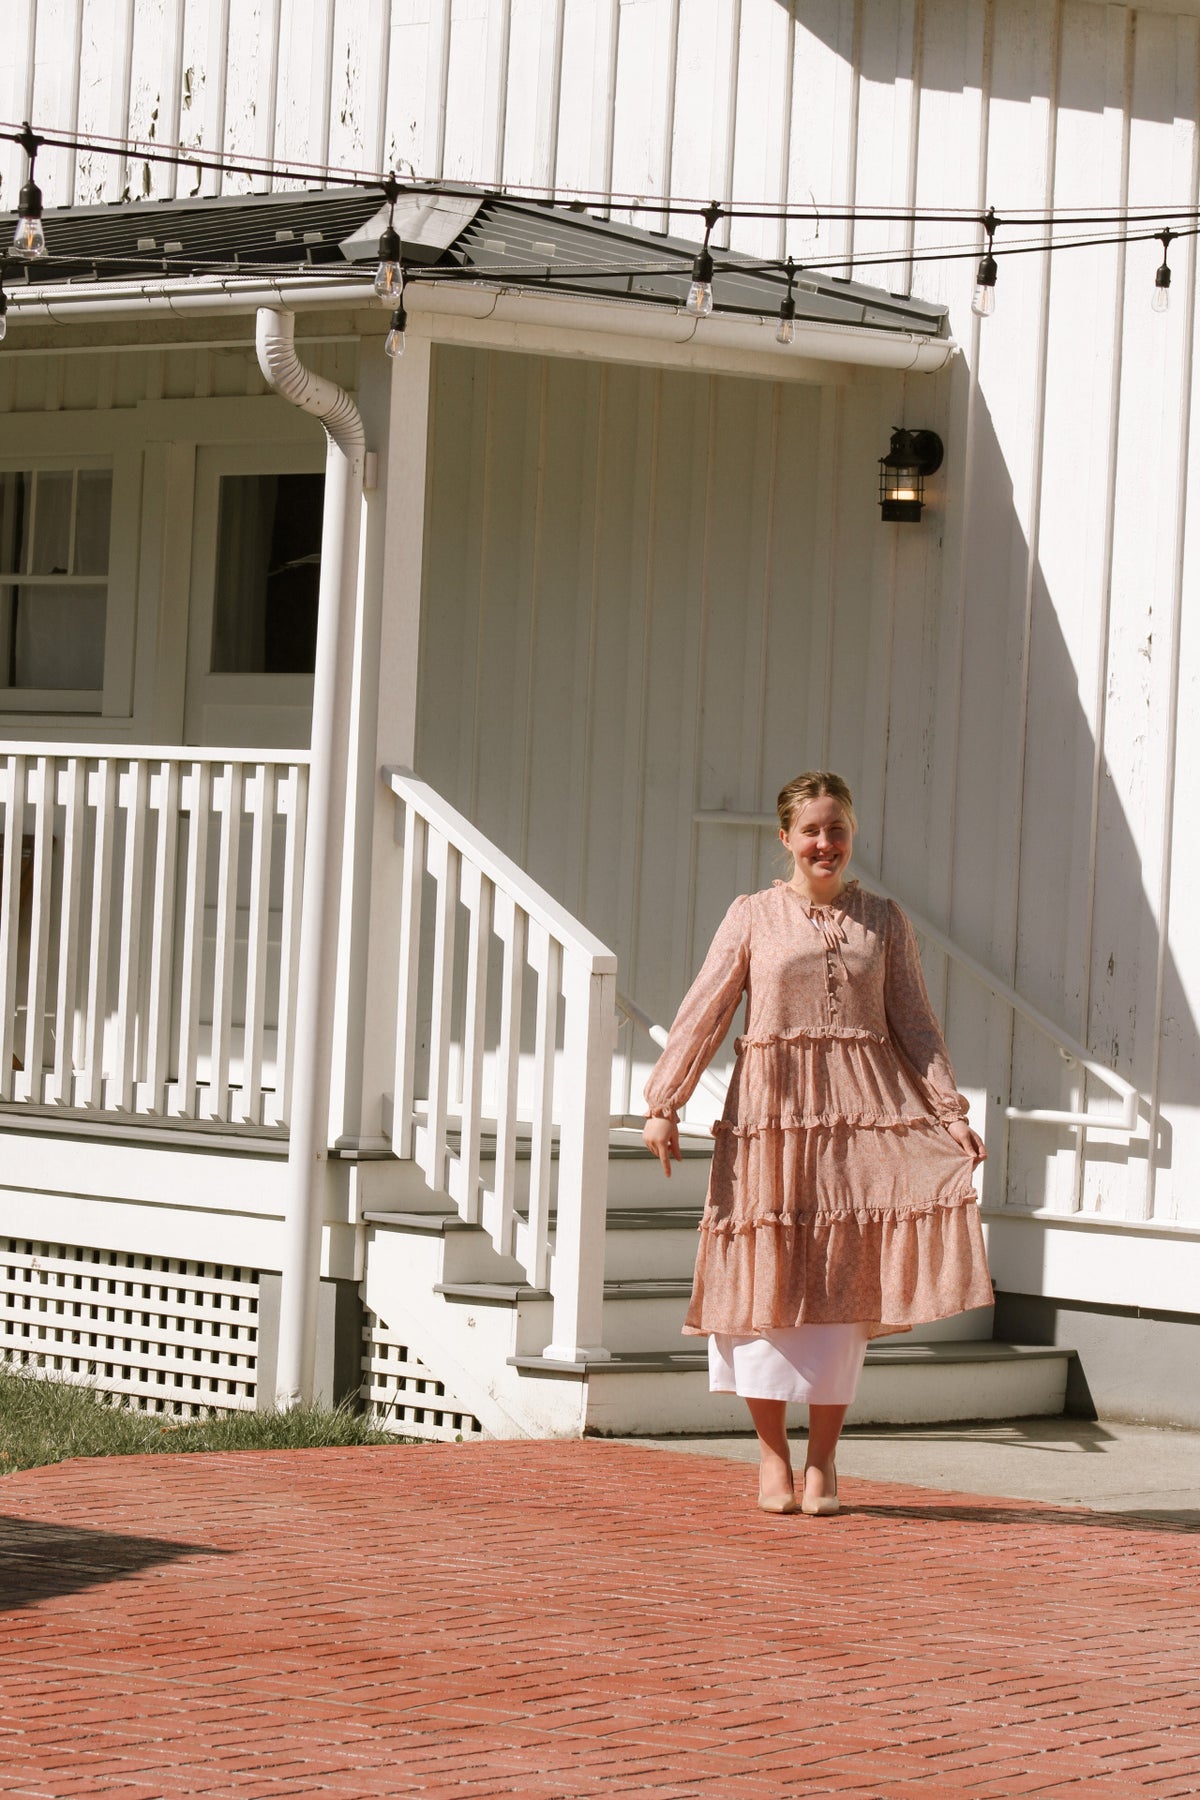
[968, 1141]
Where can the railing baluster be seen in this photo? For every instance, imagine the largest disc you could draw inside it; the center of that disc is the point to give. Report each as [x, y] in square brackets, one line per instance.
[406, 1016]
[72, 797]
[164, 798]
[102, 785]
[227, 798]
[443, 866]
[478, 895]
[500, 1215]
[10, 915]
[577, 1277]
[259, 795]
[545, 956]
[32, 1084]
[195, 801]
[294, 797]
[132, 794]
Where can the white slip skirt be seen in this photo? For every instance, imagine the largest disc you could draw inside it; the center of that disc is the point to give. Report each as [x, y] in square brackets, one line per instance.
[809, 1364]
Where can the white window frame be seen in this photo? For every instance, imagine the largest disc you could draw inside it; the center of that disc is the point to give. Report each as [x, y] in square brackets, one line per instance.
[275, 710]
[114, 699]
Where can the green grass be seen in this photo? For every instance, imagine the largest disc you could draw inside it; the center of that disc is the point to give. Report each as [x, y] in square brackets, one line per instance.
[48, 1421]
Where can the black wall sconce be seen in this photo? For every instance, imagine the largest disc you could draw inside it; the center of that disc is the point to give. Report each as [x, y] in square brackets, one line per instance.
[902, 472]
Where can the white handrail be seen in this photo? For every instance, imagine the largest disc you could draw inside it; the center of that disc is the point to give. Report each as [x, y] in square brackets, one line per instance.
[536, 1065]
[658, 1035]
[500, 869]
[155, 753]
[1126, 1122]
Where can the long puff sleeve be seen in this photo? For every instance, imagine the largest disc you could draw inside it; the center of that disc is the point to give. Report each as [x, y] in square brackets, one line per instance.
[704, 1017]
[912, 1023]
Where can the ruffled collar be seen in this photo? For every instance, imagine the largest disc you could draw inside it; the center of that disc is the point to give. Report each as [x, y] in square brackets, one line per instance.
[817, 909]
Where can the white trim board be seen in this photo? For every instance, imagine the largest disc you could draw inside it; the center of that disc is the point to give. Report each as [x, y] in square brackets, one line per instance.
[1152, 1269]
[228, 1238]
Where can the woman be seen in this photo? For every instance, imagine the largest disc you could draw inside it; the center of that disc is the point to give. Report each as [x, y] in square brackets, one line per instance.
[840, 1205]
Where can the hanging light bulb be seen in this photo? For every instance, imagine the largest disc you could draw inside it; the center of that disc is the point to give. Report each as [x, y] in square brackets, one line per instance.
[389, 276]
[393, 343]
[29, 238]
[786, 333]
[700, 294]
[1160, 300]
[983, 300]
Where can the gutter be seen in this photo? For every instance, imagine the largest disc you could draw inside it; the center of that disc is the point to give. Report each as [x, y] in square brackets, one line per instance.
[306, 1185]
[817, 340]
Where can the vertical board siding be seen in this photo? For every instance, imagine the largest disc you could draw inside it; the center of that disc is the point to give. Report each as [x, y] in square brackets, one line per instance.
[618, 591]
[651, 593]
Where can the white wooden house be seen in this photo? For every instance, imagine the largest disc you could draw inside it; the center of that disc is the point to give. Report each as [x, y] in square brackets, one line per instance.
[358, 837]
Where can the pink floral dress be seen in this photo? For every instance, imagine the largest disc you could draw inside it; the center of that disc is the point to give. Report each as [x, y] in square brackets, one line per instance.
[836, 1194]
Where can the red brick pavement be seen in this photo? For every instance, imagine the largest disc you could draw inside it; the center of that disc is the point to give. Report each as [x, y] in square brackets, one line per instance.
[563, 1620]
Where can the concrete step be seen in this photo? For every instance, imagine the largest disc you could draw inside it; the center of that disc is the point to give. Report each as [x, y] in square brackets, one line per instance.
[651, 1394]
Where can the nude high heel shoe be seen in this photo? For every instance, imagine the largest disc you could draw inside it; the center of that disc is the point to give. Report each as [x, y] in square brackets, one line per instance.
[821, 1505]
[776, 1503]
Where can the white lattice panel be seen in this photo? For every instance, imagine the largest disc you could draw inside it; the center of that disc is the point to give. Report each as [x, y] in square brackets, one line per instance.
[403, 1394]
[169, 1335]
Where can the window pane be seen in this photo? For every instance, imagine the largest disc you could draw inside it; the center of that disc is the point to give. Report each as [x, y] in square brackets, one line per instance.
[52, 522]
[14, 501]
[58, 638]
[268, 571]
[93, 511]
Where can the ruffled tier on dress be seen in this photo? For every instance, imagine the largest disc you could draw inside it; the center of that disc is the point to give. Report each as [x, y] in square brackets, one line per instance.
[836, 1195]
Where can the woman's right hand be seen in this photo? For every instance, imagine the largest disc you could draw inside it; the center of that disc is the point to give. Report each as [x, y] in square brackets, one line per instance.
[661, 1138]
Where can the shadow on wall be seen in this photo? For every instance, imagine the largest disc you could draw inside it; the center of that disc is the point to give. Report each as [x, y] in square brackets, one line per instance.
[40, 1561]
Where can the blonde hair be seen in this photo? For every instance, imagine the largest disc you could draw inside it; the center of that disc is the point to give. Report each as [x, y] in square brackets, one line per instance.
[814, 784]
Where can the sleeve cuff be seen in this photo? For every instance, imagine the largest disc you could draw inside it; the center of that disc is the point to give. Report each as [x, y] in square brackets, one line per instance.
[663, 1112]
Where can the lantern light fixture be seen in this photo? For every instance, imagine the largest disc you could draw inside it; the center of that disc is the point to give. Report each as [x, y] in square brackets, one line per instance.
[1160, 300]
[983, 300]
[700, 294]
[29, 238]
[911, 458]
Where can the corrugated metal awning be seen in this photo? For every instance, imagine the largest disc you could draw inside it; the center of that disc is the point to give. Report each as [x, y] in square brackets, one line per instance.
[448, 237]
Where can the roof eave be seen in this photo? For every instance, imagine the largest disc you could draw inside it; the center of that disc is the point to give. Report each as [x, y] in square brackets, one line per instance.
[485, 312]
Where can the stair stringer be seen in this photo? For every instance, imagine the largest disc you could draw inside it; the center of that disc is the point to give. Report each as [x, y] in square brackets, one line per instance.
[467, 1348]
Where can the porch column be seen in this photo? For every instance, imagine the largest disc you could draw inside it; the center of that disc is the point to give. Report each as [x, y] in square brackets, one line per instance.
[397, 416]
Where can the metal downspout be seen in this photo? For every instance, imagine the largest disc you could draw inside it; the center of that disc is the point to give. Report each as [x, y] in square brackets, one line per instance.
[308, 1140]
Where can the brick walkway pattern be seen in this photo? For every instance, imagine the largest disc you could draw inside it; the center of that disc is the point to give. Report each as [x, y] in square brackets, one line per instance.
[567, 1620]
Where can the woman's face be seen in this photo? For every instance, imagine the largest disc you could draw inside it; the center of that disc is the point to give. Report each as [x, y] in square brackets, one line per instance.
[821, 840]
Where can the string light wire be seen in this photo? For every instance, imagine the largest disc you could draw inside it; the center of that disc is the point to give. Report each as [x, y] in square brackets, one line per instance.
[1034, 232]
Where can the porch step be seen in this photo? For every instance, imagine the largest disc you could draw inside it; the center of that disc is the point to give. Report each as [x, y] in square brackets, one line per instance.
[503, 1293]
[902, 1384]
[483, 1327]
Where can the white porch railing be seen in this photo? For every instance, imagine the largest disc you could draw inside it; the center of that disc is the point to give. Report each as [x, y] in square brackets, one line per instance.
[1124, 1123]
[630, 1069]
[488, 1058]
[149, 925]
